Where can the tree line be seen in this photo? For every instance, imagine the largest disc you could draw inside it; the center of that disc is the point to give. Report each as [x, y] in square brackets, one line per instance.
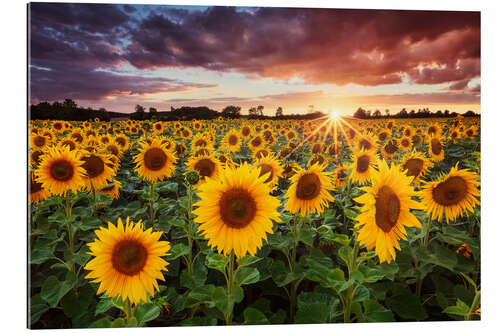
[67, 110]
[420, 113]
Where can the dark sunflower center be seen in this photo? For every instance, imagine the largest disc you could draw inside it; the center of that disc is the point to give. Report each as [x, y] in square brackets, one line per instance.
[237, 208]
[450, 192]
[233, 140]
[262, 153]
[200, 143]
[245, 131]
[382, 136]
[158, 126]
[391, 147]
[341, 174]
[121, 141]
[264, 169]
[291, 135]
[77, 137]
[365, 144]
[454, 134]
[113, 150]
[363, 163]
[316, 149]
[256, 142]
[308, 187]
[69, 143]
[407, 132]
[129, 257]
[180, 149]
[436, 146]
[469, 132]
[57, 126]
[205, 167]
[414, 166]
[387, 208]
[39, 141]
[432, 130]
[61, 170]
[155, 159]
[93, 165]
[405, 142]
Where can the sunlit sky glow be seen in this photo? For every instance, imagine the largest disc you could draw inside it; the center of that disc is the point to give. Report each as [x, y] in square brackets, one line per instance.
[117, 56]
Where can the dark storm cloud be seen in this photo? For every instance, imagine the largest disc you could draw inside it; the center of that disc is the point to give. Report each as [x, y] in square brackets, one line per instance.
[367, 47]
[322, 46]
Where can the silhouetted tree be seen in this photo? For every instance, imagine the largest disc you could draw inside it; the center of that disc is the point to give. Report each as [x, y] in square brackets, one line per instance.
[252, 111]
[279, 112]
[360, 113]
[69, 103]
[231, 111]
[260, 110]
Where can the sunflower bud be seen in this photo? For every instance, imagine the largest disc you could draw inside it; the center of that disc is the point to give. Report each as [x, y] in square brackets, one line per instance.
[192, 177]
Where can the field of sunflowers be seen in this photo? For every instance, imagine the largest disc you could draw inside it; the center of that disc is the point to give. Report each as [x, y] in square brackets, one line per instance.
[240, 222]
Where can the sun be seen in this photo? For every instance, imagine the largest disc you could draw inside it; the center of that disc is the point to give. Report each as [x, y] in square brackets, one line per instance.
[334, 116]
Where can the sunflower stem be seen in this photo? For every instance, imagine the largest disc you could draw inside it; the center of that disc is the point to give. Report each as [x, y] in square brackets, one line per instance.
[474, 305]
[128, 309]
[71, 236]
[152, 212]
[427, 231]
[295, 285]
[230, 282]
[352, 266]
[190, 231]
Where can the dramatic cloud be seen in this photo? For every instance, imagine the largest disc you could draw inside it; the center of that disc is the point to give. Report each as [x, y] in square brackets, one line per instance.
[368, 47]
[95, 85]
[76, 50]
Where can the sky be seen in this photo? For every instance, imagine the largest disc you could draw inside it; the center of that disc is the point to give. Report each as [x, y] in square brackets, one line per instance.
[117, 56]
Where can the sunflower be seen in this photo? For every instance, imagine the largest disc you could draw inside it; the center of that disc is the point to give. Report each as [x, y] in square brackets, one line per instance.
[104, 139]
[366, 142]
[58, 126]
[452, 195]
[386, 211]
[271, 168]
[436, 149]
[154, 162]
[67, 142]
[317, 159]
[333, 149]
[200, 140]
[246, 131]
[340, 175]
[383, 135]
[471, 132]
[231, 141]
[416, 166]
[39, 141]
[417, 139]
[180, 149]
[433, 129]
[61, 171]
[407, 131]
[127, 261]
[390, 148]
[37, 192]
[362, 167]
[98, 169]
[35, 157]
[224, 159]
[236, 211]
[77, 136]
[455, 135]
[405, 143]
[186, 133]
[317, 148]
[207, 166]
[256, 142]
[202, 151]
[158, 127]
[309, 191]
[114, 149]
[289, 169]
[122, 141]
[112, 188]
[291, 134]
